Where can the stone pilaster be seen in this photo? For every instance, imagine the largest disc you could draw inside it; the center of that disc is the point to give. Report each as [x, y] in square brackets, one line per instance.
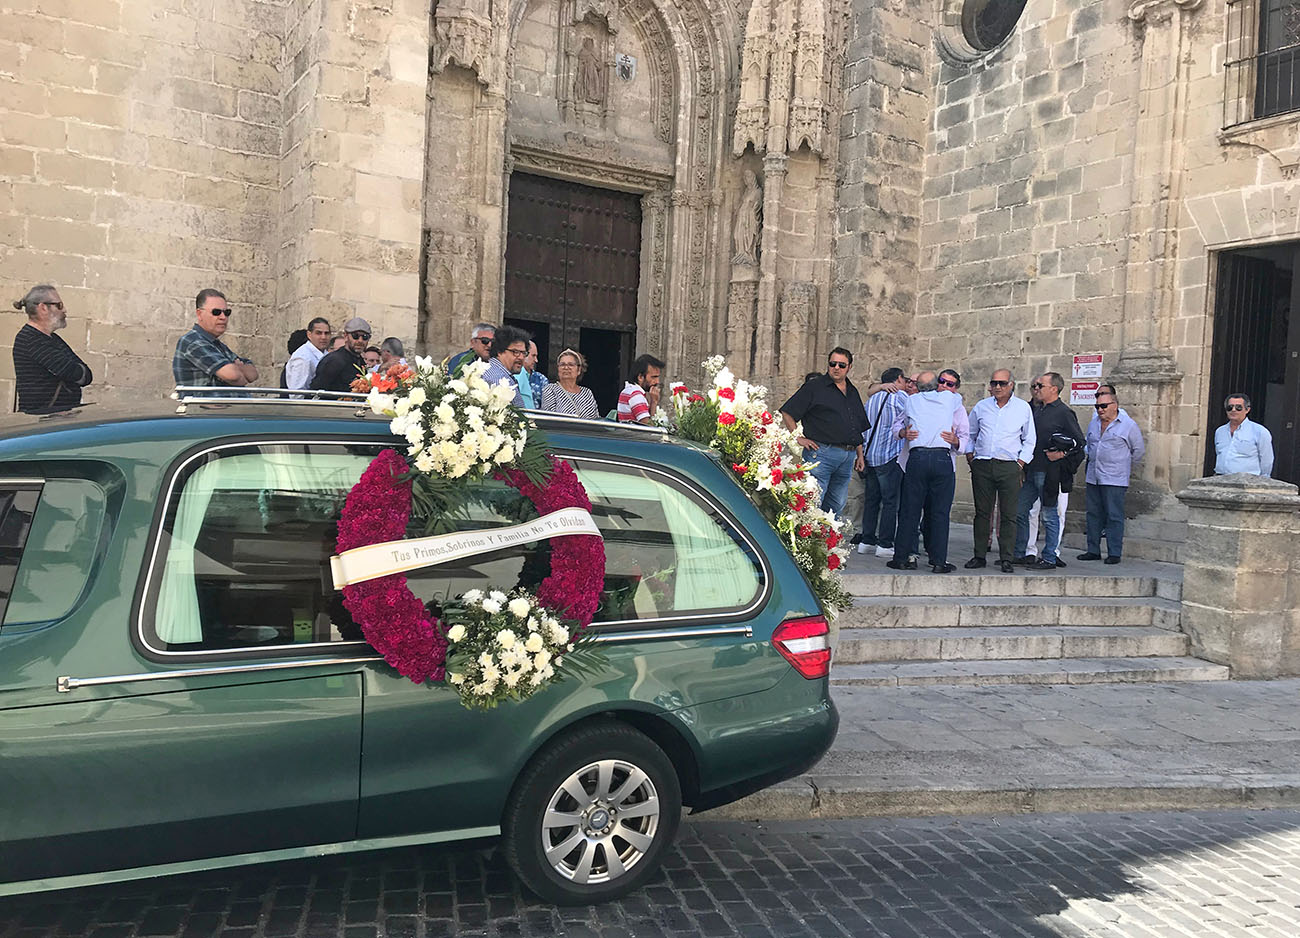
[1241, 602]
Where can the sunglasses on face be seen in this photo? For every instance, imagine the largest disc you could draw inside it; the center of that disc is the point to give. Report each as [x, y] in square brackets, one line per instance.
[1103, 406]
[58, 306]
[482, 341]
[998, 384]
[359, 335]
[837, 364]
[1232, 407]
[1036, 386]
[947, 383]
[221, 311]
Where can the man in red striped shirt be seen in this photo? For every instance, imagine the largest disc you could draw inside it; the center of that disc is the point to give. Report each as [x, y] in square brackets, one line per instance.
[640, 396]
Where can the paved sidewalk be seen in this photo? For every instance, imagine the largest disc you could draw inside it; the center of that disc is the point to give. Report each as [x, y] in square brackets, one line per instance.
[1034, 748]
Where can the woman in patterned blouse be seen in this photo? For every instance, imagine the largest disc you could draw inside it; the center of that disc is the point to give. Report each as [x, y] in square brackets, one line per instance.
[564, 395]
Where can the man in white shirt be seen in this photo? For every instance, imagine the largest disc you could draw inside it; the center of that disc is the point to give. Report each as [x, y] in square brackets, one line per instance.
[1241, 445]
[301, 367]
[1002, 441]
[934, 428]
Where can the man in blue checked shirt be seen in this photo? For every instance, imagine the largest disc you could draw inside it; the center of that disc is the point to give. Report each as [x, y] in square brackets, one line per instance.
[883, 475]
[201, 359]
[1114, 445]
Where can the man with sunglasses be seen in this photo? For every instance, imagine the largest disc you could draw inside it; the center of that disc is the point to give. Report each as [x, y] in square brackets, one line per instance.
[1002, 441]
[1114, 445]
[341, 367]
[480, 347]
[833, 423]
[201, 359]
[1058, 450]
[1241, 445]
[48, 373]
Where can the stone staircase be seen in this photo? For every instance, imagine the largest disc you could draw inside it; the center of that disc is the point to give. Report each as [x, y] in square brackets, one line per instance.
[1068, 627]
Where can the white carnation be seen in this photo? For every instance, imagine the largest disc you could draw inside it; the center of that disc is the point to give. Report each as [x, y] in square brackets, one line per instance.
[415, 433]
[444, 431]
[456, 633]
[417, 397]
[380, 403]
[542, 660]
[521, 607]
[498, 596]
[472, 596]
[505, 638]
[724, 378]
[397, 426]
[558, 634]
[504, 454]
[403, 406]
[458, 386]
[481, 395]
[445, 412]
[424, 462]
[423, 364]
[534, 643]
[491, 607]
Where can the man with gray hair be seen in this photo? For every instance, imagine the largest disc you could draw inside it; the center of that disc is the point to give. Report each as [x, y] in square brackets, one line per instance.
[391, 352]
[1002, 438]
[49, 375]
[1058, 450]
[480, 347]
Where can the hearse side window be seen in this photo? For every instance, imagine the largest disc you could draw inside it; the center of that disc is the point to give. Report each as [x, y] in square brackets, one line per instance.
[17, 507]
[243, 558]
[60, 552]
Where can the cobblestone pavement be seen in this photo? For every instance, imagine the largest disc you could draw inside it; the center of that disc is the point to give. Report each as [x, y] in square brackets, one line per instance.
[1045, 876]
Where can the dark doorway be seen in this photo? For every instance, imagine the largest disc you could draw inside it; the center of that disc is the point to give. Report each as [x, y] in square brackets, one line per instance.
[573, 266]
[1256, 348]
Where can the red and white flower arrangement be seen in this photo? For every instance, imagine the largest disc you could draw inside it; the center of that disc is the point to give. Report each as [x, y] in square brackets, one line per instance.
[458, 429]
[733, 417]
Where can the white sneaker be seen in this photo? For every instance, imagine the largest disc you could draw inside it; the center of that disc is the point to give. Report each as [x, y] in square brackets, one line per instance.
[863, 547]
[886, 552]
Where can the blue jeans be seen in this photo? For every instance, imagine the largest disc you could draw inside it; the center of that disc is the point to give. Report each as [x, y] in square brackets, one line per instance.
[880, 510]
[1031, 492]
[833, 470]
[1106, 515]
[928, 484]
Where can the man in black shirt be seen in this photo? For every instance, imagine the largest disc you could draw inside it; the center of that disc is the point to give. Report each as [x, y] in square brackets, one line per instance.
[1057, 454]
[337, 370]
[833, 423]
[48, 373]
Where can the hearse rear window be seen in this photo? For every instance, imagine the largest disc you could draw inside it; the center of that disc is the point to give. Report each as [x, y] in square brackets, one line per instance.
[243, 557]
[17, 508]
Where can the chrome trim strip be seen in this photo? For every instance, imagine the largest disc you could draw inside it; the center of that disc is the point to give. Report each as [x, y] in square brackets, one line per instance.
[66, 684]
[652, 635]
[244, 859]
[8, 481]
[759, 599]
[236, 394]
[550, 416]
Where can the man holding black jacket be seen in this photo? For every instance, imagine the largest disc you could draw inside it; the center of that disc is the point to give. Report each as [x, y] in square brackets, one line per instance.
[1058, 452]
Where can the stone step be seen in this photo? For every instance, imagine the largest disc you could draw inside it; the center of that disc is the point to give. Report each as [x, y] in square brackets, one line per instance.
[920, 612]
[1049, 671]
[865, 646]
[925, 583]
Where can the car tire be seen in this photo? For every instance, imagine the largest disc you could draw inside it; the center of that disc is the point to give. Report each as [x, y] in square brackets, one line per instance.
[592, 814]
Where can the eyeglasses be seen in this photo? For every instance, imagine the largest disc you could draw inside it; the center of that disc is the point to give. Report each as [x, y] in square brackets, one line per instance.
[1232, 407]
[1103, 406]
[837, 364]
[1036, 386]
[221, 311]
[566, 364]
[359, 335]
[58, 305]
[518, 352]
[947, 383]
[998, 384]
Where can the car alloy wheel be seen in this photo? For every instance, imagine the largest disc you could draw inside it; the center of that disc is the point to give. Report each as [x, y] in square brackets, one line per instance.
[592, 814]
[600, 821]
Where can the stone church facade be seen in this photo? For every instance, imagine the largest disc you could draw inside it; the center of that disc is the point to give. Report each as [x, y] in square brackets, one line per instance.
[967, 183]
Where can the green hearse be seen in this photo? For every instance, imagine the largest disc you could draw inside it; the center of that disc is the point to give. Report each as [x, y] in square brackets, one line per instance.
[181, 687]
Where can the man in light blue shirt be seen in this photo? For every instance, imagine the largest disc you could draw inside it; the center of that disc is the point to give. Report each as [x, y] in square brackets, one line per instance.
[1002, 440]
[1114, 444]
[934, 428]
[884, 477]
[1241, 445]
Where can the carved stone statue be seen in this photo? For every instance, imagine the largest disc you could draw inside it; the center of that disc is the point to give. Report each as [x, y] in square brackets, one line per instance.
[589, 80]
[748, 223]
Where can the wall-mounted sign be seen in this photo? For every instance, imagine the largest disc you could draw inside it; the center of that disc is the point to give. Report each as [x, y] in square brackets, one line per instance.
[625, 66]
[1084, 392]
[1086, 366]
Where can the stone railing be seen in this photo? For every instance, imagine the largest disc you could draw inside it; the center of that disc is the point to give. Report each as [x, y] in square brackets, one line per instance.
[1241, 574]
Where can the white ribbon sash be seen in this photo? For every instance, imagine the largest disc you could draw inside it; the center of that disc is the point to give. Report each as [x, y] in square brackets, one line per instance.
[376, 560]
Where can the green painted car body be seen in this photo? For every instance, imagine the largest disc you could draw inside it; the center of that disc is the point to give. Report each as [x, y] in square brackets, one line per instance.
[118, 761]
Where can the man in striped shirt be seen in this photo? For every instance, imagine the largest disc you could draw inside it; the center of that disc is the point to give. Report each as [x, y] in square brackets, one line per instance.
[883, 475]
[640, 396]
[48, 373]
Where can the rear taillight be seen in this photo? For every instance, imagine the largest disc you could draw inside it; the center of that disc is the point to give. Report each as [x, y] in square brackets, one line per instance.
[806, 644]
